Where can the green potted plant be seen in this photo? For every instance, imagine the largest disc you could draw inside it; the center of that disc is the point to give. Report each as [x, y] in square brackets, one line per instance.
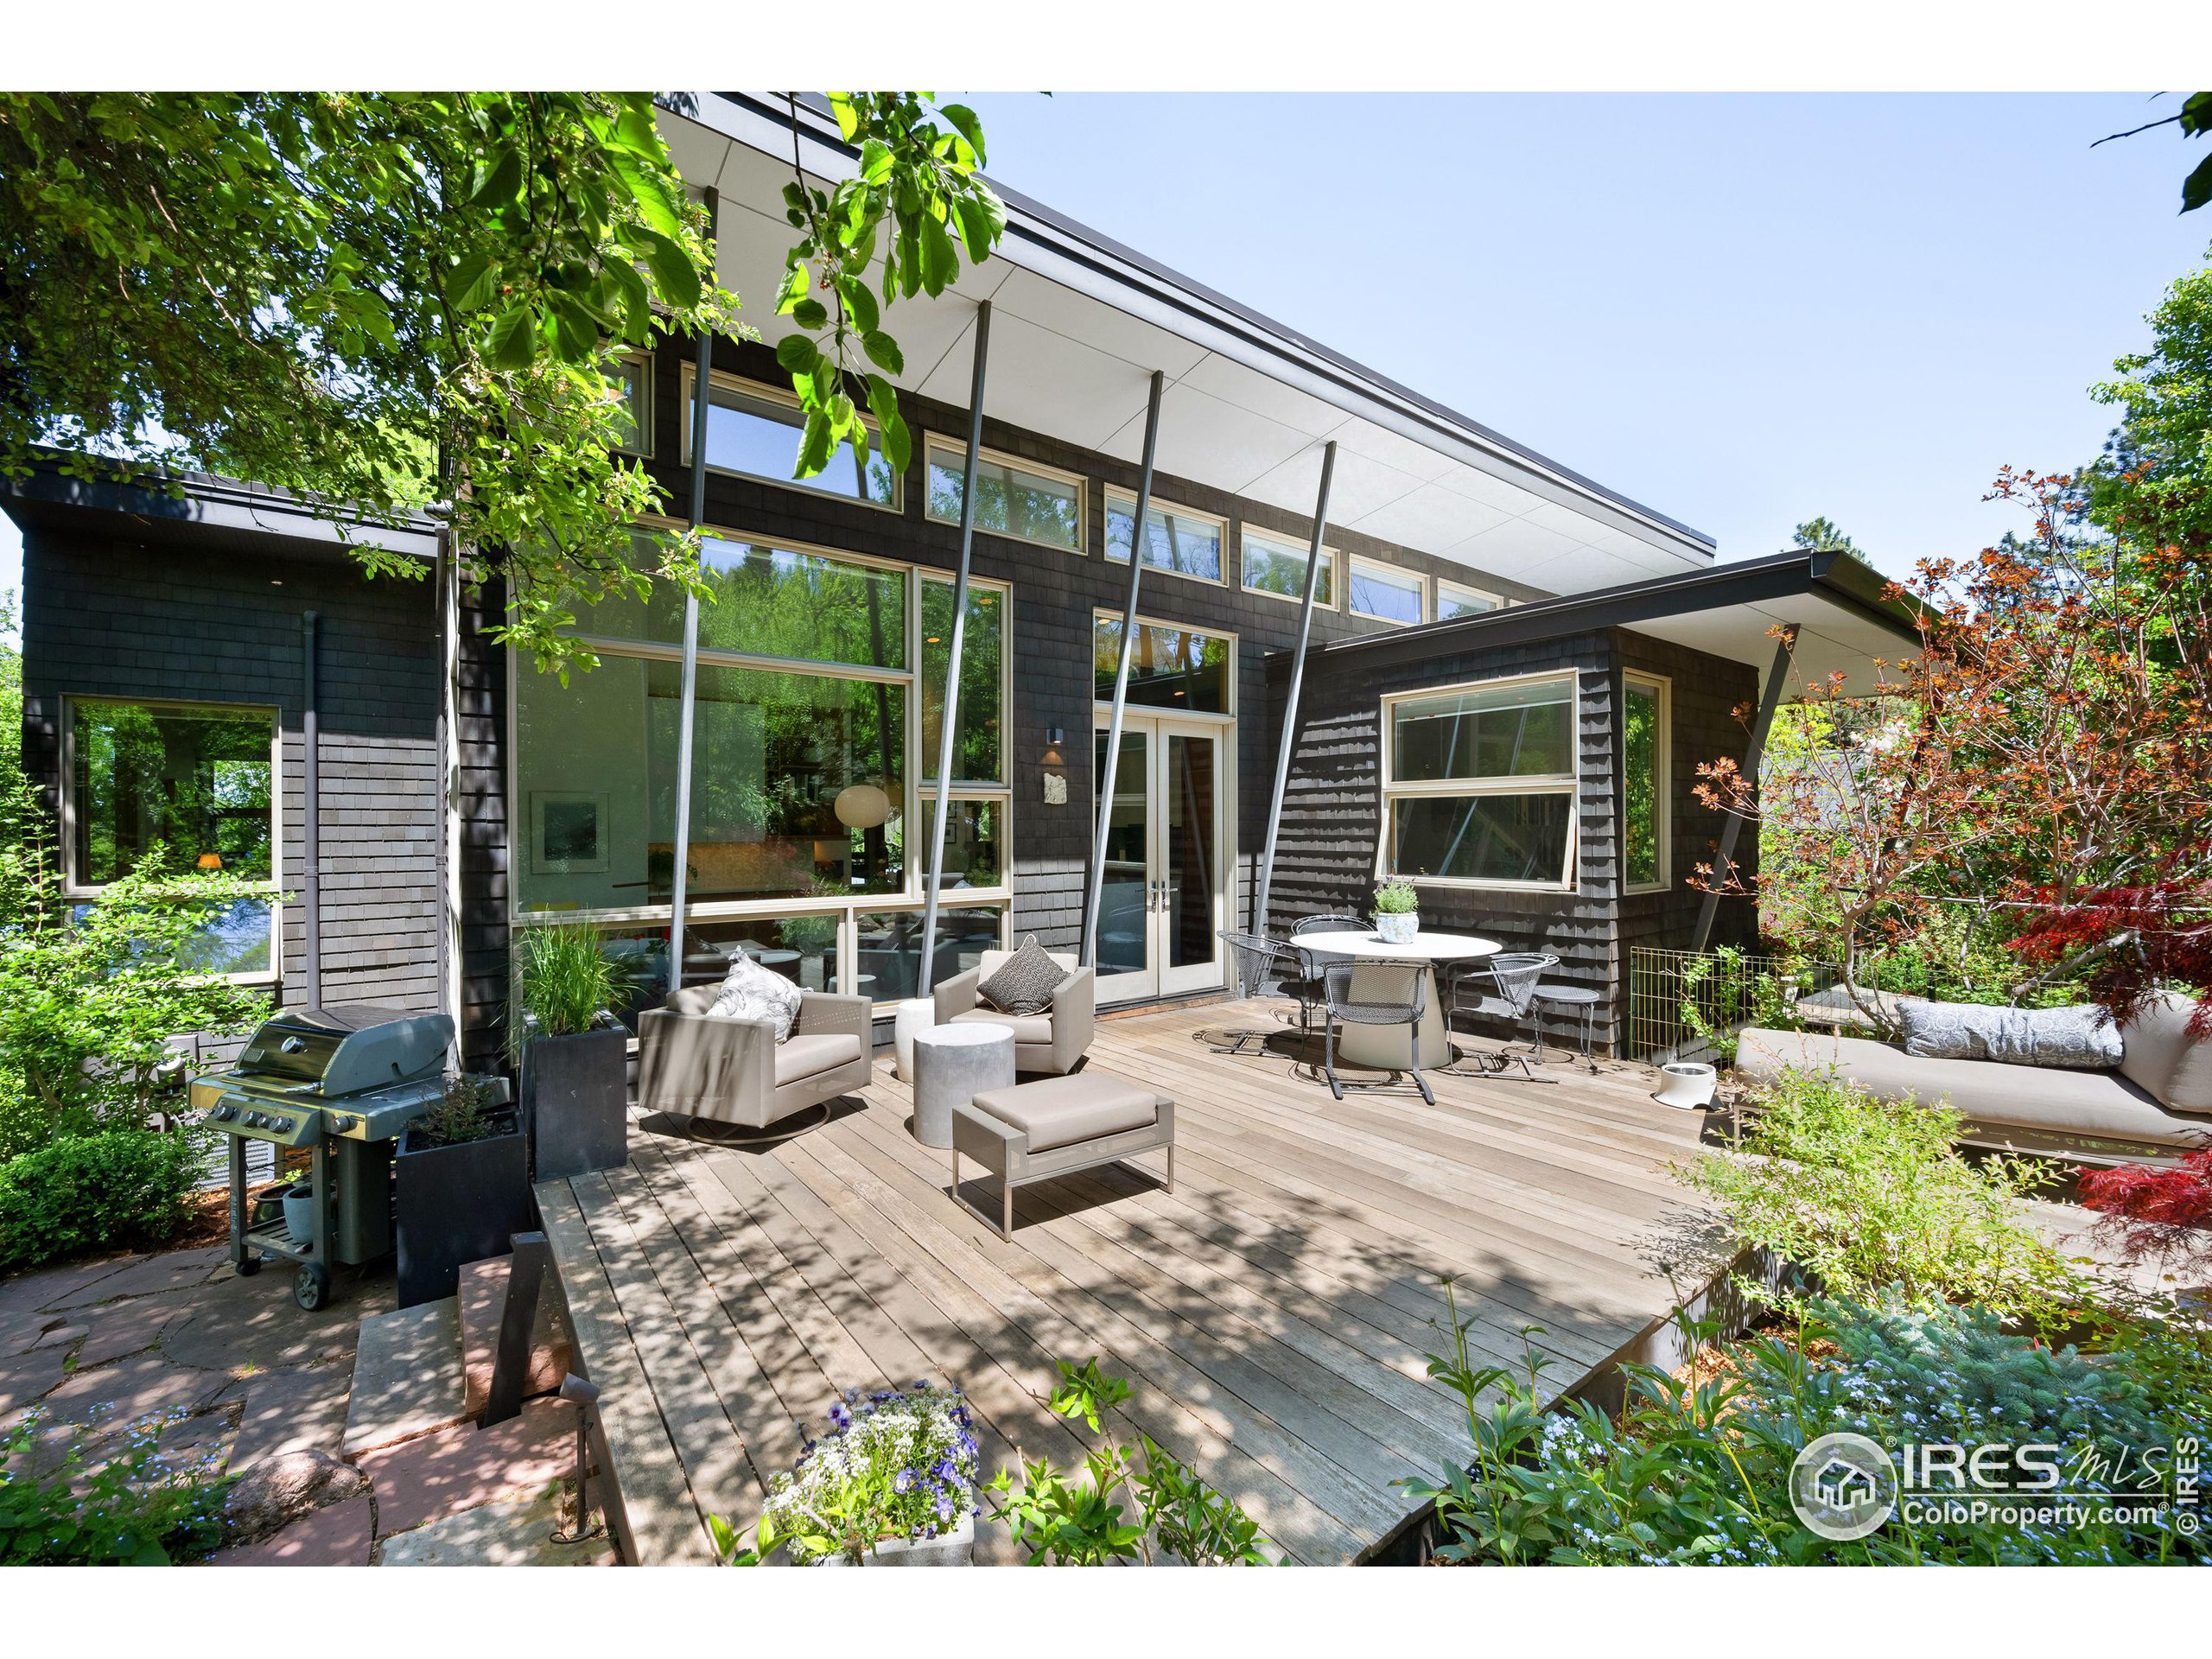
[462, 1186]
[574, 1052]
[1397, 911]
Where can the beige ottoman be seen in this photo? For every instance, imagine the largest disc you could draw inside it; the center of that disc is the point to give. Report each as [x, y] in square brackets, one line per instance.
[1054, 1126]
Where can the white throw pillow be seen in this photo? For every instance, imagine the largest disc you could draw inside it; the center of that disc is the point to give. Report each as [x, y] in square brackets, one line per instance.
[752, 992]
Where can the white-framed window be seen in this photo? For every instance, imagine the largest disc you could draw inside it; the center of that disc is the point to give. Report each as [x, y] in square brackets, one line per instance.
[1173, 666]
[201, 781]
[754, 429]
[1176, 540]
[1385, 593]
[1276, 565]
[1023, 500]
[633, 376]
[1479, 783]
[817, 708]
[1457, 599]
[1647, 774]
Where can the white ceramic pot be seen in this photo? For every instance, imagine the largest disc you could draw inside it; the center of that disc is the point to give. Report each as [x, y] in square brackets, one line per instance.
[1399, 929]
[915, 1014]
[1688, 1084]
[954, 1548]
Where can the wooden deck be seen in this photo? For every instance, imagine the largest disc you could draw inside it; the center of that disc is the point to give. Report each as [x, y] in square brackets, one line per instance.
[1273, 1314]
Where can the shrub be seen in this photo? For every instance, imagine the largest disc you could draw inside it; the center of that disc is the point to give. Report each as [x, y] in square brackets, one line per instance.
[1870, 1194]
[142, 1508]
[1696, 1471]
[85, 1192]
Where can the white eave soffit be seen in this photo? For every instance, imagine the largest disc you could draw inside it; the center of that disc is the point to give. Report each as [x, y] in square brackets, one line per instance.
[1073, 348]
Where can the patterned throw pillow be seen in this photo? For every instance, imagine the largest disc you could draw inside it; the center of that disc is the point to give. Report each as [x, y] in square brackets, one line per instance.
[752, 992]
[1025, 981]
[2075, 1039]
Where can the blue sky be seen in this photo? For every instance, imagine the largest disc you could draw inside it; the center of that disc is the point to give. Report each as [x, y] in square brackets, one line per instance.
[1741, 310]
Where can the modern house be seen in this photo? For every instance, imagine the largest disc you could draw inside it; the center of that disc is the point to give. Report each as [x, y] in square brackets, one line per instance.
[1512, 673]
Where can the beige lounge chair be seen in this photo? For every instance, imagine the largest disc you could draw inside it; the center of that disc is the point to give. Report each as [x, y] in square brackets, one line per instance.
[697, 1066]
[1054, 1041]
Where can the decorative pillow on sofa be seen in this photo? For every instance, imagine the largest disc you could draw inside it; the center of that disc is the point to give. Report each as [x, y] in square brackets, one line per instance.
[2075, 1039]
[2162, 1060]
[752, 992]
[1025, 981]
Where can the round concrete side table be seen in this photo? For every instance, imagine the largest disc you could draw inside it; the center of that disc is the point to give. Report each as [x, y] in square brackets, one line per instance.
[952, 1065]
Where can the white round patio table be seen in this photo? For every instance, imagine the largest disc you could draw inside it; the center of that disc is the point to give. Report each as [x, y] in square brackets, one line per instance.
[1383, 1046]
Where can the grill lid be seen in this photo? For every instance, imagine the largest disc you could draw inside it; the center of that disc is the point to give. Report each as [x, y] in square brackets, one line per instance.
[346, 1047]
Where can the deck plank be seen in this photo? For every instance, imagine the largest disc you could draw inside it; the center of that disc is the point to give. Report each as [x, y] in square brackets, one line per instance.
[1274, 1314]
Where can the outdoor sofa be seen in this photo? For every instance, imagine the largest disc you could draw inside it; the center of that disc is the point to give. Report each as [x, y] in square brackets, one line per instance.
[2156, 1105]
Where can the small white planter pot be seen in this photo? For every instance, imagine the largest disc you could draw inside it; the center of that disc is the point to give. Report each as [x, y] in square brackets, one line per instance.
[1399, 929]
[1688, 1084]
[954, 1548]
[915, 1014]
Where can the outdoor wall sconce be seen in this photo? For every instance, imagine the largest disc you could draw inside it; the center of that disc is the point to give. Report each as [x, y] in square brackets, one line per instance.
[1055, 782]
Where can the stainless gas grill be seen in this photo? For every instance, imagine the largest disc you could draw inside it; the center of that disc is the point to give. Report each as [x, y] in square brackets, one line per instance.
[342, 1082]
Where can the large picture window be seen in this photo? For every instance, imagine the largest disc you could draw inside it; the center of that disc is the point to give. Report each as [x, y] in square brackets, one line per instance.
[195, 785]
[1176, 540]
[817, 703]
[1276, 566]
[1012, 498]
[1457, 599]
[1646, 766]
[1479, 785]
[755, 429]
[1171, 667]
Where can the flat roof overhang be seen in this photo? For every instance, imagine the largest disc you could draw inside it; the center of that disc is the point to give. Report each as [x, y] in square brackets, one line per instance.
[1079, 324]
[1847, 616]
[205, 511]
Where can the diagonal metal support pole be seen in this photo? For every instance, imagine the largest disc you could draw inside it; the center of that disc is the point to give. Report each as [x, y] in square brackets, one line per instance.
[949, 723]
[1088, 958]
[1297, 683]
[700, 404]
[1778, 676]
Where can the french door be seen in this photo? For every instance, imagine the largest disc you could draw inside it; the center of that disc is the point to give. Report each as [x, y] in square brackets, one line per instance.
[1163, 906]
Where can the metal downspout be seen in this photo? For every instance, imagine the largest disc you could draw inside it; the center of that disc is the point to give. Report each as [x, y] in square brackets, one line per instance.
[311, 817]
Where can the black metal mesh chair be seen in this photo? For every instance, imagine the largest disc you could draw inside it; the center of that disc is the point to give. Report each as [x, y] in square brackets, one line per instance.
[1366, 1010]
[1265, 967]
[1503, 986]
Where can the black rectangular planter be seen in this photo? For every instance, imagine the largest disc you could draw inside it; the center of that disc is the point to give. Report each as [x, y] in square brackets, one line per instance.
[575, 1097]
[458, 1205]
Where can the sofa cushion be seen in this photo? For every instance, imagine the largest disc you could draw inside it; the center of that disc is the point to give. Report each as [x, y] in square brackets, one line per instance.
[2161, 1056]
[2096, 1103]
[803, 1056]
[1061, 1111]
[752, 992]
[1025, 983]
[1032, 1029]
[2081, 1038]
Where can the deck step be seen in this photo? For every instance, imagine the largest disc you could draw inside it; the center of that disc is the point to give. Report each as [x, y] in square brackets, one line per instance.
[483, 1306]
[407, 1376]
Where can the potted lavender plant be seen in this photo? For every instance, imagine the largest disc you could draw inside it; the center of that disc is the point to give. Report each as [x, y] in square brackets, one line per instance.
[890, 1483]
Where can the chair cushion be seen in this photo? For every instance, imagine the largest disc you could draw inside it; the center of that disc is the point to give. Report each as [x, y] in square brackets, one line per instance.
[1061, 1111]
[751, 992]
[1025, 983]
[2081, 1039]
[2101, 1104]
[803, 1056]
[1033, 1029]
[2159, 1055]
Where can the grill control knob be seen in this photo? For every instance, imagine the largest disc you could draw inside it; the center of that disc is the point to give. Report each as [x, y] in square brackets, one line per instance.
[284, 1125]
[255, 1120]
[291, 1046]
[341, 1124]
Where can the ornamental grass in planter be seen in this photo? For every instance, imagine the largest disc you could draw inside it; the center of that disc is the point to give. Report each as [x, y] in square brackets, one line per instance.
[573, 1053]
[462, 1181]
[890, 1483]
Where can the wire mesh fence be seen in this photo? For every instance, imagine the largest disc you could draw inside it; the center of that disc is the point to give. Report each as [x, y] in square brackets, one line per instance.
[1688, 1005]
